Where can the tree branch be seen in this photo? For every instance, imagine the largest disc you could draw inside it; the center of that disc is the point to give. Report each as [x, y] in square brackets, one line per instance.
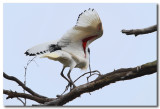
[137, 32]
[104, 80]
[99, 82]
[15, 94]
[22, 85]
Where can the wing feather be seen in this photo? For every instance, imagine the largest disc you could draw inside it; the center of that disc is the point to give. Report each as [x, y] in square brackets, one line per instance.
[88, 24]
[42, 48]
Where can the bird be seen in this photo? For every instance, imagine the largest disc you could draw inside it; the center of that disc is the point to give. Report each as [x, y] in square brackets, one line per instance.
[72, 48]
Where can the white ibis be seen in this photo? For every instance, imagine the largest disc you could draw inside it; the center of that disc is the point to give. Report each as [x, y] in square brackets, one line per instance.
[72, 48]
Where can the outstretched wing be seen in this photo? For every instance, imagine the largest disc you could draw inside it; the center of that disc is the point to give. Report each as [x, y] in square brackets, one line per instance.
[88, 24]
[88, 27]
[43, 48]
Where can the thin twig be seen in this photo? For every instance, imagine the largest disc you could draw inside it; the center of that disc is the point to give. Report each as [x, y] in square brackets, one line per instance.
[21, 101]
[25, 76]
[89, 60]
[15, 94]
[90, 76]
[87, 73]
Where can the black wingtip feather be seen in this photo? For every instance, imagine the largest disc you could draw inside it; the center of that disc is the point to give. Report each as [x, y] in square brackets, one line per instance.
[26, 53]
[82, 13]
[32, 54]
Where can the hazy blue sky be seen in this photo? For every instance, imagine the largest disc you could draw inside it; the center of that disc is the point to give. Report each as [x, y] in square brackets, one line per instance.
[26, 25]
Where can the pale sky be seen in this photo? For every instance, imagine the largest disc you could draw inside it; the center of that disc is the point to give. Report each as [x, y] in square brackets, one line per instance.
[26, 25]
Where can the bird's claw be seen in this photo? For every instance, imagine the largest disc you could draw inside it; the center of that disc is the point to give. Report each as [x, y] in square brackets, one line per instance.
[71, 88]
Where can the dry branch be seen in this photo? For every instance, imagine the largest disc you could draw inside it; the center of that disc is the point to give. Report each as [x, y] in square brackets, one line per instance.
[137, 32]
[101, 81]
[15, 94]
[104, 80]
[22, 85]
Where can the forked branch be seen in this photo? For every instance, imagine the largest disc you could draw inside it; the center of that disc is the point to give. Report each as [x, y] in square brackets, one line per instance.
[22, 85]
[104, 80]
[100, 82]
[15, 94]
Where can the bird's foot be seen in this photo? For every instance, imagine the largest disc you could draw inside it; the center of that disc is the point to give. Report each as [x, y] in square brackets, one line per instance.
[72, 86]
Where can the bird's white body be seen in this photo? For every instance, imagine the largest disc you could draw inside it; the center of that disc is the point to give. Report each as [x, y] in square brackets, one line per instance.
[72, 48]
[68, 60]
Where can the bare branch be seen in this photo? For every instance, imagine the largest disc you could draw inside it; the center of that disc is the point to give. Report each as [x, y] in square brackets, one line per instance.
[12, 94]
[25, 76]
[104, 80]
[99, 82]
[22, 85]
[21, 101]
[137, 32]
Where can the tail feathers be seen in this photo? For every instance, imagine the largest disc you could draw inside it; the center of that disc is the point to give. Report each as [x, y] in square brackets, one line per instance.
[88, 18]
[41, 49]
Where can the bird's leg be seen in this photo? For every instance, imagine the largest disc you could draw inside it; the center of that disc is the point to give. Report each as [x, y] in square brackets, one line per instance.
[65, 79]
[89, 61]
[90, 68]
[63, 75]
[71, 82]
[90, 71]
